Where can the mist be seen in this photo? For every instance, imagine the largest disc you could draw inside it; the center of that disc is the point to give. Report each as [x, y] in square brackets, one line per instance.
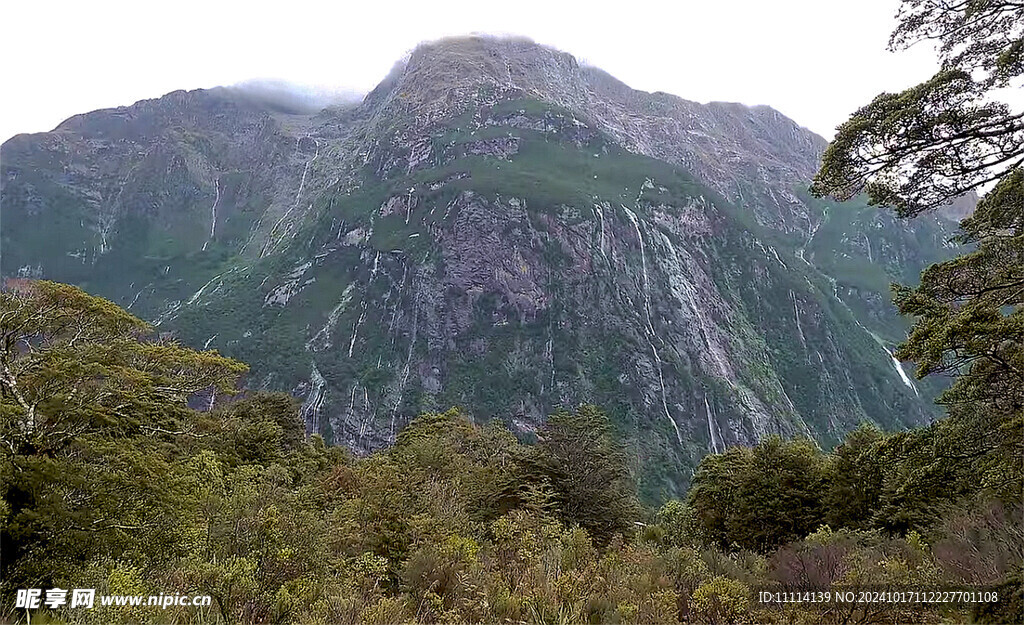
[291, 98]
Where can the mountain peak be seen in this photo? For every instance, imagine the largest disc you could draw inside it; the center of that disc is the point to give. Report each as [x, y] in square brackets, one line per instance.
[719, 142]
[495, 226]
[439, 77]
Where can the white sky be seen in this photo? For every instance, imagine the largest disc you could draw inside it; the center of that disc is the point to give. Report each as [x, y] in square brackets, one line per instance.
[814, 60]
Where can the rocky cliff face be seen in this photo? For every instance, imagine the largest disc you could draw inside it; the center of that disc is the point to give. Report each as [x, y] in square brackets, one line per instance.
[494, 227]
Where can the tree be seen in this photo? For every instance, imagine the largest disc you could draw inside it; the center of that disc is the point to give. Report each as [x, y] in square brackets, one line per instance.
[920, 150]
[971, 320]
[577, 457]
[854, 475]
[759, 498]
[257, 429]
[72, 364]
[90, 409]
[924, 147]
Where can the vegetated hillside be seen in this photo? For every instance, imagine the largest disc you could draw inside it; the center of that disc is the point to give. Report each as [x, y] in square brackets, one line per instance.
[113, 478]
[494, 227]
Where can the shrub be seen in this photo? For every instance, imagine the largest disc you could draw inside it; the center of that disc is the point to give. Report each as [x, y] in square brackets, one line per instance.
[443, 578]
[721, 600]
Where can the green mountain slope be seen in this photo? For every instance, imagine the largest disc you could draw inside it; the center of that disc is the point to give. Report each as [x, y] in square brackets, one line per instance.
[493, 227]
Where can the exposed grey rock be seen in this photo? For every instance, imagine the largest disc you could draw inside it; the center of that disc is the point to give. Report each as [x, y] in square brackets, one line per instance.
[496, 227]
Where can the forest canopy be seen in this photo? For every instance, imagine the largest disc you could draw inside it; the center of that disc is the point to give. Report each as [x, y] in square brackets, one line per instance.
[124, 472]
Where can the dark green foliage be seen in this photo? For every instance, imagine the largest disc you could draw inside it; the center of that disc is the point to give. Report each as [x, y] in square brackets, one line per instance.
[257, 429]
[577, 457]
[916, 151]
[928, 145]
[970, 310]
[759, 498]
[896, 483]
[455, 523]
[854, 473]
[107, 468]
[969, 325]
[88, 409]
[926, 129]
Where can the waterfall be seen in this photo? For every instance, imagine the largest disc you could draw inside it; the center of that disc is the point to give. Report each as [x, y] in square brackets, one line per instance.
[711, 428]
[650, 326]
[903, 374]
[213, 214]
[311, 407]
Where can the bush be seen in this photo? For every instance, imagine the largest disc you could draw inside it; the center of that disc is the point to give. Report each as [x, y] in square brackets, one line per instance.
[387, 611]
[982, 544]
[721, 600]
[443, 578]
[760, 498]
[678, 523]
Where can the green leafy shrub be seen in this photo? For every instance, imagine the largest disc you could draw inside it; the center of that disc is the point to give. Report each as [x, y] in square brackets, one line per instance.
[720, 601]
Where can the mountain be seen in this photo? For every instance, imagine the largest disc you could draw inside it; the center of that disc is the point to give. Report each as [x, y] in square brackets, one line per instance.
[494, 226]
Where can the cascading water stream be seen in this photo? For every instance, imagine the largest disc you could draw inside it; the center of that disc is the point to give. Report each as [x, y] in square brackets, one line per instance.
[650, 326]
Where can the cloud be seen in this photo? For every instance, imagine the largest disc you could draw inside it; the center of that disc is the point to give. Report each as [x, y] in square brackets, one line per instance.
[293, 98]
